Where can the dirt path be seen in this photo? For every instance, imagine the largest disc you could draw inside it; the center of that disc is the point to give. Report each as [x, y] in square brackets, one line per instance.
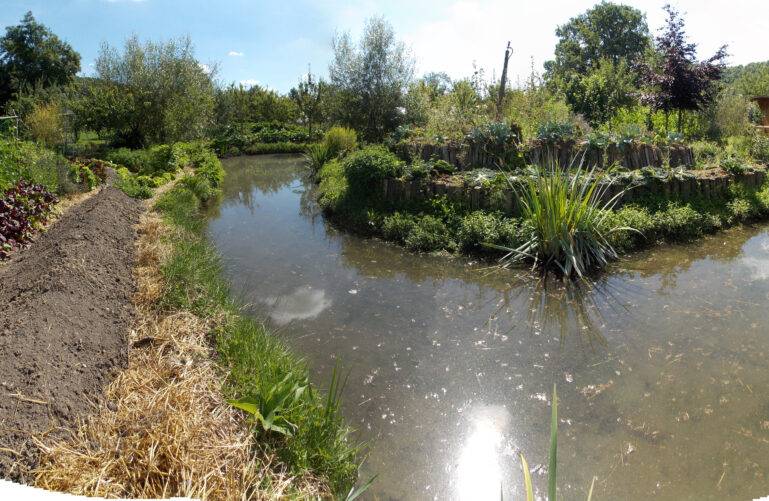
[66, 311]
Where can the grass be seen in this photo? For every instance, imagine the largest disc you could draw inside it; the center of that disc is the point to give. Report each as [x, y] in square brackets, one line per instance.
[256, 362]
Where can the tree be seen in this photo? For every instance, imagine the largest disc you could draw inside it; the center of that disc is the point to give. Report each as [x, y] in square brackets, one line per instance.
[607, 31]
[31, 55]
[675, 80]
[595, 59]
[307, 97]
[599, 94]
[370, 79]
[240, 104]
[169, 95]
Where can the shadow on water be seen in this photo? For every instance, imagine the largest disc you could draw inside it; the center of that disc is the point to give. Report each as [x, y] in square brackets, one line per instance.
[660, 362]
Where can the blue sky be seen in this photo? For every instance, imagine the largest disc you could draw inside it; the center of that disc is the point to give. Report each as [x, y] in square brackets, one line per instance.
[272, 42]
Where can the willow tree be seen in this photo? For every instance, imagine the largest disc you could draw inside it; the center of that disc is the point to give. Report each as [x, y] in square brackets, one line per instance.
[370, 79]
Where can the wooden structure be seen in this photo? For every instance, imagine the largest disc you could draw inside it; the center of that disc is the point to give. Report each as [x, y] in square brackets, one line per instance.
[763, 103]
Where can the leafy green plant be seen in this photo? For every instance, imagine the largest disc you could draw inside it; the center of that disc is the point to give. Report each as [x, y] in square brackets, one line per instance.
[340, 141]
[476, 229]
[316, 155]
[428, 234]
[556, 131]
[82, 176]
[364, 168]
[267, 410]
[569, 217]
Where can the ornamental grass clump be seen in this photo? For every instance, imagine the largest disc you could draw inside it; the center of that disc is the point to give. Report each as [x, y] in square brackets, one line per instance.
[569, 216]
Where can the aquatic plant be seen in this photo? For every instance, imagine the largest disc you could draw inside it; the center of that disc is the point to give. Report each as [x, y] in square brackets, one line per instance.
[569, 218]
[317, 155]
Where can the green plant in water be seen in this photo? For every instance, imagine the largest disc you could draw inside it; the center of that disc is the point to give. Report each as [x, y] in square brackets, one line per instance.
[317, 155]
[570, 220]
[267, 409]
[552, 472]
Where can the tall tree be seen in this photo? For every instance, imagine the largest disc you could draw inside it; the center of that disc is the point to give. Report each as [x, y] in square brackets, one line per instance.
[606, 31]
[675, 80]
[31, 55]
[595, 59]
[170, 94]
[370, 79]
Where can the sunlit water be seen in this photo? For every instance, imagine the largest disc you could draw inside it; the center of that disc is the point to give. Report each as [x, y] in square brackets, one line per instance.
[661, 365]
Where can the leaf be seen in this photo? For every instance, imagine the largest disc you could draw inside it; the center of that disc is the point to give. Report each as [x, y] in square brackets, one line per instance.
[527, 479]
[552, 473]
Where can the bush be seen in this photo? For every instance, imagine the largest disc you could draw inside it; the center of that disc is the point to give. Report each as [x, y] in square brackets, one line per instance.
[82, 176]
[512, 233]
[734, 164]
[133, 185]
[28, 161]
[397, 227]
[45, 124]
[365, 168]
[705, 153]
[759, 148]
[333, 185]
[476, 229]
[428, 234]
[155, 160]
[680, 222]
[340, 141]
[443, 167]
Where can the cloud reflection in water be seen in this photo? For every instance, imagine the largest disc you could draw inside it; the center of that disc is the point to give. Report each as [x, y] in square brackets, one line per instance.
[303, 303]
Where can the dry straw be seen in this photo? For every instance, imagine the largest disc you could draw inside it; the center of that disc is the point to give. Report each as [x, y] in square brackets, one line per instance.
[165, 429]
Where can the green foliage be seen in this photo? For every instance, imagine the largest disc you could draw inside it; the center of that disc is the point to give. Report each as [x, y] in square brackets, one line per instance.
[340, 141]
[397, 227]
[333, 185]
[238, 104]
[598, 94]
[369, 79]
[733, 164]
[705, 153]
[367, 167]
[749, 80]
[134, 185]
[443, 167]
[428, 234]
[165, 94]
[571, 225]
[317, 155]
[556, 131]
[83, 176]
[759, 148]
[28, 161]
[31, 55]
[476, 229]
[268, 409]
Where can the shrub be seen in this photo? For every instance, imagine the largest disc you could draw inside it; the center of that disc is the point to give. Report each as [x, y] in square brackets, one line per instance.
[45, 124]
[443, 167]
[397, 227]
[199, 186]
[476, 229]
[133, 185]
[428, 234]
[513, 233]
[417, 170]
[340, 141]
[680, 222]
[28, 161]
[759, 148]
[741, 209]
[82, 176]
[333, 185]
[367, 167]
[705, 153]
[733, 164]
[638, 218]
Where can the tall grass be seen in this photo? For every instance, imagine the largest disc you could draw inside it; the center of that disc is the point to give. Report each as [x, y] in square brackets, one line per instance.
[570, 218]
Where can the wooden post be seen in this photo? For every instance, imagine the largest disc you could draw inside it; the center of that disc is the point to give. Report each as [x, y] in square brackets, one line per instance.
[503, 83]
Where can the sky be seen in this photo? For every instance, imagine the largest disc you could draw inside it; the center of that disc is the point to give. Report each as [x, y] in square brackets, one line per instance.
[273, 43]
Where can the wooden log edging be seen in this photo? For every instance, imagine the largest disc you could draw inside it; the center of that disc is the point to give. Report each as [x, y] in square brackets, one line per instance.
[397, 191]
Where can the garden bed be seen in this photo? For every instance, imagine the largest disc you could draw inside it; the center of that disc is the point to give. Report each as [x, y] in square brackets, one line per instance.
[67, 310]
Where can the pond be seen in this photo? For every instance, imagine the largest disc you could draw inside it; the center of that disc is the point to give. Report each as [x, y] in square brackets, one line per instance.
[661, 364]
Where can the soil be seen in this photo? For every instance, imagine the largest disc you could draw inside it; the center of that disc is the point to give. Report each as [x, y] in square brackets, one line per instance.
[65, 317]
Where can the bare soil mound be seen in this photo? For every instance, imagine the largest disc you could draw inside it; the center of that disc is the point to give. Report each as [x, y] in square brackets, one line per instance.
[66, 309]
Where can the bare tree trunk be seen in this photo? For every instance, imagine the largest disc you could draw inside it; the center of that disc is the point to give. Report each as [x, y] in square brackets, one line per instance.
[503, 83]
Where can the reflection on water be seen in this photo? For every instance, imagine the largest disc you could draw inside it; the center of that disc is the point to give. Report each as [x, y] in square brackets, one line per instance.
[303, 303]
[660, 364]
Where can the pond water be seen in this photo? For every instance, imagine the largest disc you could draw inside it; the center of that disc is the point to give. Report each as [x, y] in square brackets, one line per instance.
[661, 364]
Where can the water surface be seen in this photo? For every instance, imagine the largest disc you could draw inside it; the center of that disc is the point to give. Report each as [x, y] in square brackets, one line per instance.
[661, 365]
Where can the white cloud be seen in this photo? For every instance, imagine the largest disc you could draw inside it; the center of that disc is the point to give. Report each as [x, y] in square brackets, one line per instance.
[250, 82]
[206, 68]
[234, 53]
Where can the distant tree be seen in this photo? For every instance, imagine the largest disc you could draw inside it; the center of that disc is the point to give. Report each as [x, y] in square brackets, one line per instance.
[31, 55]
[370, 79]
[168, 94]
[606, 31]
[750, 80]
[438, 83]
[240, 104]
[595, 59]
[307, 96]
[675, 80]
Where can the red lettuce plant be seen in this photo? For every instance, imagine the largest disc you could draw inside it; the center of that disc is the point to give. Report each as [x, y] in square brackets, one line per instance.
[23, 208]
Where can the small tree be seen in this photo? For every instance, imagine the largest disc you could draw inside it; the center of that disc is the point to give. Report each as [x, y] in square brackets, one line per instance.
[675, 80]
[307, 97]
[370, 79]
